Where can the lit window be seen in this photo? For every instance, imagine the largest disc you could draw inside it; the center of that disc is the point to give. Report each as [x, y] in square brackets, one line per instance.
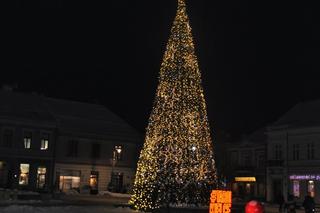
[3, 173]
[24, 174]
[248, 188]
[296, 188]
[41, 177]
[44, 142]
[311, 188]
[27, 140]
[69, 182]
[2, 165]
[117, 152]
[94, 180]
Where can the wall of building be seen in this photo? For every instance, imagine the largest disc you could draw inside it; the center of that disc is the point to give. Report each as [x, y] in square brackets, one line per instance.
[14, 154]
[294, 160]
[104, 174]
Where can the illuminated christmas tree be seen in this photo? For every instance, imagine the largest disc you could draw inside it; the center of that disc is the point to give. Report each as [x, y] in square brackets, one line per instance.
[176, 164]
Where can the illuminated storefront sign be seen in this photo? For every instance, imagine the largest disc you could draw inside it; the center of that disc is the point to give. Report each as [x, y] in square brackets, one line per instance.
[220, 201]
[245, 179]
[304, 177]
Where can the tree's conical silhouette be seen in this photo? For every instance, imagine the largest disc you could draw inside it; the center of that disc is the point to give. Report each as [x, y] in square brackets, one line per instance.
[176, 164]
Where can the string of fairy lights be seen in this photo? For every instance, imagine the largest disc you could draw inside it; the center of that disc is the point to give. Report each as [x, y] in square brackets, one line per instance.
[176, 164]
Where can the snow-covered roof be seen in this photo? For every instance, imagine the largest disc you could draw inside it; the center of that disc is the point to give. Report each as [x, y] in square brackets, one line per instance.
[301, 115]
[19, 106]
[68, 116]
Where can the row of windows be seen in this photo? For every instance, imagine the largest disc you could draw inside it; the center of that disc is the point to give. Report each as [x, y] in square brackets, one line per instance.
[277, 151]
[24, 175]
[27, 140]
[246, 159]
[310, 187]
[72, 150]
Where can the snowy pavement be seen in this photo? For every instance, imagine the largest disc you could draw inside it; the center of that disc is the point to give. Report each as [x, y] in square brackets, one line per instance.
[101, 209]
[63, 209]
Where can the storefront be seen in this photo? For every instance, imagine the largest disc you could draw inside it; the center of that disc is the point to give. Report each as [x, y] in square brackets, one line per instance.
[93, 182]
[302, 184]
[69, 179]
[25, 174]
[243, 187]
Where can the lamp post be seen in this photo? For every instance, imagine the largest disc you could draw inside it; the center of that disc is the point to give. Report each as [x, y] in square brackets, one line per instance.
[115, 156]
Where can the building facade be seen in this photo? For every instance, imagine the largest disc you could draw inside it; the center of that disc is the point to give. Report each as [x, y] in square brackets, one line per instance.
[246, 169]
[49, 144]
[294, 154]
[26, 143]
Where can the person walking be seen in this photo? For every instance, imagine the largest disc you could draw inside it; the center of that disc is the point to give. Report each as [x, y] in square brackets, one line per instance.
[280, 201]
[308, 204]
[291, 204]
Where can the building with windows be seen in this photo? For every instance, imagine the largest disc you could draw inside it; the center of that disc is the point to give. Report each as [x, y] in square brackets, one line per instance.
[56, 144]
[293, 165]
[245, 170]
[26, 156]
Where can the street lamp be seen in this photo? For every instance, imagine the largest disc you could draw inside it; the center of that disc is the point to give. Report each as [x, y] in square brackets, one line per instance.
[115, 157]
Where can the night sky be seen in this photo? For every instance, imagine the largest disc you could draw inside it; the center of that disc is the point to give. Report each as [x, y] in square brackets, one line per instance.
[257, 59]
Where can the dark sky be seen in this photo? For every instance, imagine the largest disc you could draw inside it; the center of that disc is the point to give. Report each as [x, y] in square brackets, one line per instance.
[257, 59]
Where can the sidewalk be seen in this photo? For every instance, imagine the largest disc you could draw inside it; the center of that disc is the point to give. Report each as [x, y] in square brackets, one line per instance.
[74, 200]
[274, 208]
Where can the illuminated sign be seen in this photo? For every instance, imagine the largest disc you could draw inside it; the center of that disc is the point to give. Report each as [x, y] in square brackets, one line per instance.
[304, 177]
[220, 201]
[245, 179]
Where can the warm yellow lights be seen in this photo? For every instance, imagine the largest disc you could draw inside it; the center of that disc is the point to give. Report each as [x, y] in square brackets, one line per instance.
[245, 179]
[176, 164]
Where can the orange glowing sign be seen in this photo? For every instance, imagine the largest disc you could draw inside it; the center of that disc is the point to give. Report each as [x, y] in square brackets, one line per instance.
[220, 201]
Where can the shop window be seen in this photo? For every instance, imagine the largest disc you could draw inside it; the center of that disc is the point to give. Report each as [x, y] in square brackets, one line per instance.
[311, 188]
[94, 180]
[41, 177]
[7, 138]
[27, 140]
[24, 174]
[69, 182]
[296, 188]
[3, 174]
[117, 153]
[235, 188]
[248, 188]
[44, 142]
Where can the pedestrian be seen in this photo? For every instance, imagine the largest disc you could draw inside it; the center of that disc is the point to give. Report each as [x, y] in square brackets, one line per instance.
[280, 201]
[291, 204]
[308, 204]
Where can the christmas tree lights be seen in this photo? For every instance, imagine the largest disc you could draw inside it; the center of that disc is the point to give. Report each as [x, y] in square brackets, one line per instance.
[176, 164]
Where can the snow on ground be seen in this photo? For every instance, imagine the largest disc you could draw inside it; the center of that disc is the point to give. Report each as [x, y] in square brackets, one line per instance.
[112, 194]
[64, 209]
